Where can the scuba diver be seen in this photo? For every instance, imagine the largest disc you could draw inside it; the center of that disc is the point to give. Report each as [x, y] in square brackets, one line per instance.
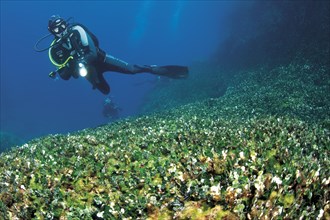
[75, 52]
[110, 109]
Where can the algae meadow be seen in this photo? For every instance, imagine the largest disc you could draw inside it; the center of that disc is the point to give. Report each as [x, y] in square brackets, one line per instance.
[261, 151]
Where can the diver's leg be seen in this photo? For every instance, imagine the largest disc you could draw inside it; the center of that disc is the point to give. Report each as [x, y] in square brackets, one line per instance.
[97, 80]
[100, 84]
[103, 85]
[112, 63]
[172, 71]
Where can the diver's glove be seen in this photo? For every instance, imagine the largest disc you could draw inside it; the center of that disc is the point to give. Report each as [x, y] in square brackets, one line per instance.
[52, 74]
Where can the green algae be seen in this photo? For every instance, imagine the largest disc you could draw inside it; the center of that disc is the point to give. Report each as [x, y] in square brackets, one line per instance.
[287, 200]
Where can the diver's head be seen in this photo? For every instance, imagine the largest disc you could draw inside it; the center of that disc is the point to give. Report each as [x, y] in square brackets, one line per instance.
[57, 26]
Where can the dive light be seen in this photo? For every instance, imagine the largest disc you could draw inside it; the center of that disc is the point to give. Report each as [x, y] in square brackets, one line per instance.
[82, 69]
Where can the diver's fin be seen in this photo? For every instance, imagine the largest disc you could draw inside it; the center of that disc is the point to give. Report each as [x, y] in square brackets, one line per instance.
[171, 71]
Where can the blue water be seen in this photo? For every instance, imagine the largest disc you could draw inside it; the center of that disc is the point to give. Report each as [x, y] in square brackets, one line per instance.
[140, 32]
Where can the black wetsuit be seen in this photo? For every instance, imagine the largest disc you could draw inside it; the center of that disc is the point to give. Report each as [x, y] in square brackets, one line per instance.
[79, 41]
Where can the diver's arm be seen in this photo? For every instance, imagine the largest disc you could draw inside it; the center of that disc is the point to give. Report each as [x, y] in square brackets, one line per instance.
[63, 72]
